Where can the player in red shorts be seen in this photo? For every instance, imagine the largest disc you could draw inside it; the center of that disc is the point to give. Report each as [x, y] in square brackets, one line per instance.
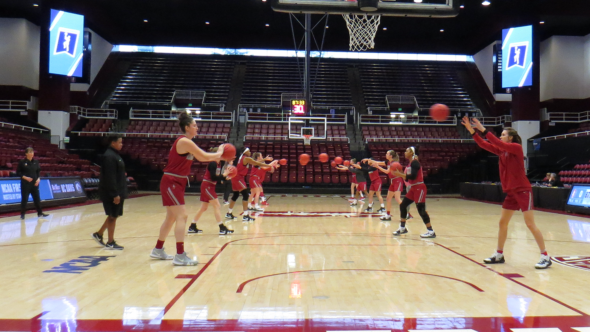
[239, 185]
[257, 177]
[216, 171]
[416, 193]
[253, 172]
[397, 183]
[359, 176]
[519, 193]
[172, 186]
[376, 185]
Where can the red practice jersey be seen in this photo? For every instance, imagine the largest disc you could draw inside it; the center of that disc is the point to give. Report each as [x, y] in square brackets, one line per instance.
[179, 164]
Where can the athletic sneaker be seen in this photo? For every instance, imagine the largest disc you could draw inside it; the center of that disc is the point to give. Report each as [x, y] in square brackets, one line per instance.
[353, 203]
[160, 254]
[225, 203]
[257, 209]
[381, 210]
[369, 209]
[544, 263]
[98, 239]
[224, 230]
[22, 217]
[230, 216]
[400, 231]
[183, 260]
[250, 207]
[192, 229]
[386, 218]
[428, 235]
[248, 219]
[496, 258]
[409, 216]
[113, 246]
[264, 203]
[42, 215]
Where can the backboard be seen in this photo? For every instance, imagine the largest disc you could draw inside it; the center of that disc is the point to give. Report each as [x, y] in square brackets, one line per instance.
[302, 125]
[427, 8]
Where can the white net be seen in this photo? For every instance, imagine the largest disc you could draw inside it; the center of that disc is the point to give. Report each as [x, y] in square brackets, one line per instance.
[362, 29]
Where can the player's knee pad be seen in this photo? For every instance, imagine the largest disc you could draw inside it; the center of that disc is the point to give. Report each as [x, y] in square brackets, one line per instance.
[403, 208]
[235, 196]
[245, 194]
[422, 211]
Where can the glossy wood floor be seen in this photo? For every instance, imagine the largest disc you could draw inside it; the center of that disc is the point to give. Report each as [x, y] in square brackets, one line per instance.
[306, 263]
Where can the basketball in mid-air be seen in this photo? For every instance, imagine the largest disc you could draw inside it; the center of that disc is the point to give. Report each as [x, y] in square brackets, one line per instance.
[439, 112]
[323, 157]
[229, 152]
[338, 160]
[304, 159]
[346, 163]
[283, 162]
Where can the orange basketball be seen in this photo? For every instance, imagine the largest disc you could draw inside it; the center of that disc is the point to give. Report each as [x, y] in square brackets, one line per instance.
[229, 152]
[333, 163]
[283, 161]
[439, 112]
[338, 160]
[304, 159]
[347, 163]
[396, 166]
[232, 171]
[324, 157]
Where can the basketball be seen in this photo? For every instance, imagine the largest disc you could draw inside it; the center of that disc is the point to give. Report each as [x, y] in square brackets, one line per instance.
[324, 157]
[304, 159]
[229, 152]
[439, 112]
[232, 171]
[333, 163]
[347, 163]
[338, 160]
[396, 166]
[283, 162]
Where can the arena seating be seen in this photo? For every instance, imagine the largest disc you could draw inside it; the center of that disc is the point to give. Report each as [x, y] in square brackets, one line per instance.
[435, 132]
[429, 82]
[580, 174]
[314, 172]
[584, 126]
[207, 130]
[98, 125]
[261, 131]
[155, 78]
[53, 161]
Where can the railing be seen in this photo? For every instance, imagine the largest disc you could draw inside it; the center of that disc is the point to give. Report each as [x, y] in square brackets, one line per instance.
[188, 94]
[284, 117]
[148, 135]
[107, 103]
[347, 108]
[285, 138]
[220, 106]
[366, 119]
[400, 100]
[569, 117]
[23, 128]
[172, 115]
[14, 105]
[245, 107]
[95, 113]
[495, 121]
[423, 140]
[550, 138]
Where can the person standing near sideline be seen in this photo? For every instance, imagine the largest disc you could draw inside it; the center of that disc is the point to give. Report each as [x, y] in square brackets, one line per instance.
[112, 189]
[29, 172]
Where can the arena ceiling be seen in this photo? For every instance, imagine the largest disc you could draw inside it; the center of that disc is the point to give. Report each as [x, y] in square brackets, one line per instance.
[242, 23]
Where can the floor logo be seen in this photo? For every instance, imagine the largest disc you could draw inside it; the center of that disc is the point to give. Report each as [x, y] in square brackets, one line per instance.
[79, 265]
[578, 262]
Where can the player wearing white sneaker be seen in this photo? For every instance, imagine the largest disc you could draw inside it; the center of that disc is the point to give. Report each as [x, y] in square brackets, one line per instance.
[376, 184]
[515, 184]
[397, 183]
[416, 193]
[359, 178]
[257, 177]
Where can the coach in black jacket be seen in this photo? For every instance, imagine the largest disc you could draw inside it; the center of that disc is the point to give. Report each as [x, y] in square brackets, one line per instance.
[112, 190]
[29, 172]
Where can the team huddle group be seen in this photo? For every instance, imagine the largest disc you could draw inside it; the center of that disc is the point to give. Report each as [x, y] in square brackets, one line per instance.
[225, 166]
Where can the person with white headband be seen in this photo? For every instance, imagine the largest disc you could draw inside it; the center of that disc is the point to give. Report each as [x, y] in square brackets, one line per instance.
[416, 193]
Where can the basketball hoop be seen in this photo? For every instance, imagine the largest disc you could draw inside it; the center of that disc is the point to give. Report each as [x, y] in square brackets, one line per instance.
[362, 29]
[307, 139]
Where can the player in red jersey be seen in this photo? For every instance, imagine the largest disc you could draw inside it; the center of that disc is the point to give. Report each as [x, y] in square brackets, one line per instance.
[359, 176]
[376, 185]
[516, 185]
[239, 185]
[216, 171]
[416, 193]
[397, 183]
[353, 183]
[172, 186]
[257, 177]
[253, 171]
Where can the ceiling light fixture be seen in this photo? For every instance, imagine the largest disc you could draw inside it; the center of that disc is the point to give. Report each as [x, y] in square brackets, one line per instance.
[442, 30]
[542, 22]
[35, 5]
[267, 25]
[145, 21]
[327, 27]
[418, 1]
[384, 28]
[486, 3]
[462, 6]
[207, 22]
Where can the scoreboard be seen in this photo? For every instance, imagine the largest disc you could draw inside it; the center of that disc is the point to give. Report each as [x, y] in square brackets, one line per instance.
[298, 106]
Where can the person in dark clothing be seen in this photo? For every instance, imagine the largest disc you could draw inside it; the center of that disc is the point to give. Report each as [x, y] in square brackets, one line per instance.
[227, 188]
[216, 171]
[112, 190]
[29, 172]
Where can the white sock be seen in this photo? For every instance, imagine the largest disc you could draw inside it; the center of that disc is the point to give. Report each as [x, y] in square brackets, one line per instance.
[230, 210]
[382, 205]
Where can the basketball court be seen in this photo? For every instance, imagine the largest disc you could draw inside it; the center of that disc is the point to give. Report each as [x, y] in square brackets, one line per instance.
[306, 263]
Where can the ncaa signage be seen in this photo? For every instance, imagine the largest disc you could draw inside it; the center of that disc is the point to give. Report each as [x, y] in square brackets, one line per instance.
[66, 43]
[517, 54]
[517, 57]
